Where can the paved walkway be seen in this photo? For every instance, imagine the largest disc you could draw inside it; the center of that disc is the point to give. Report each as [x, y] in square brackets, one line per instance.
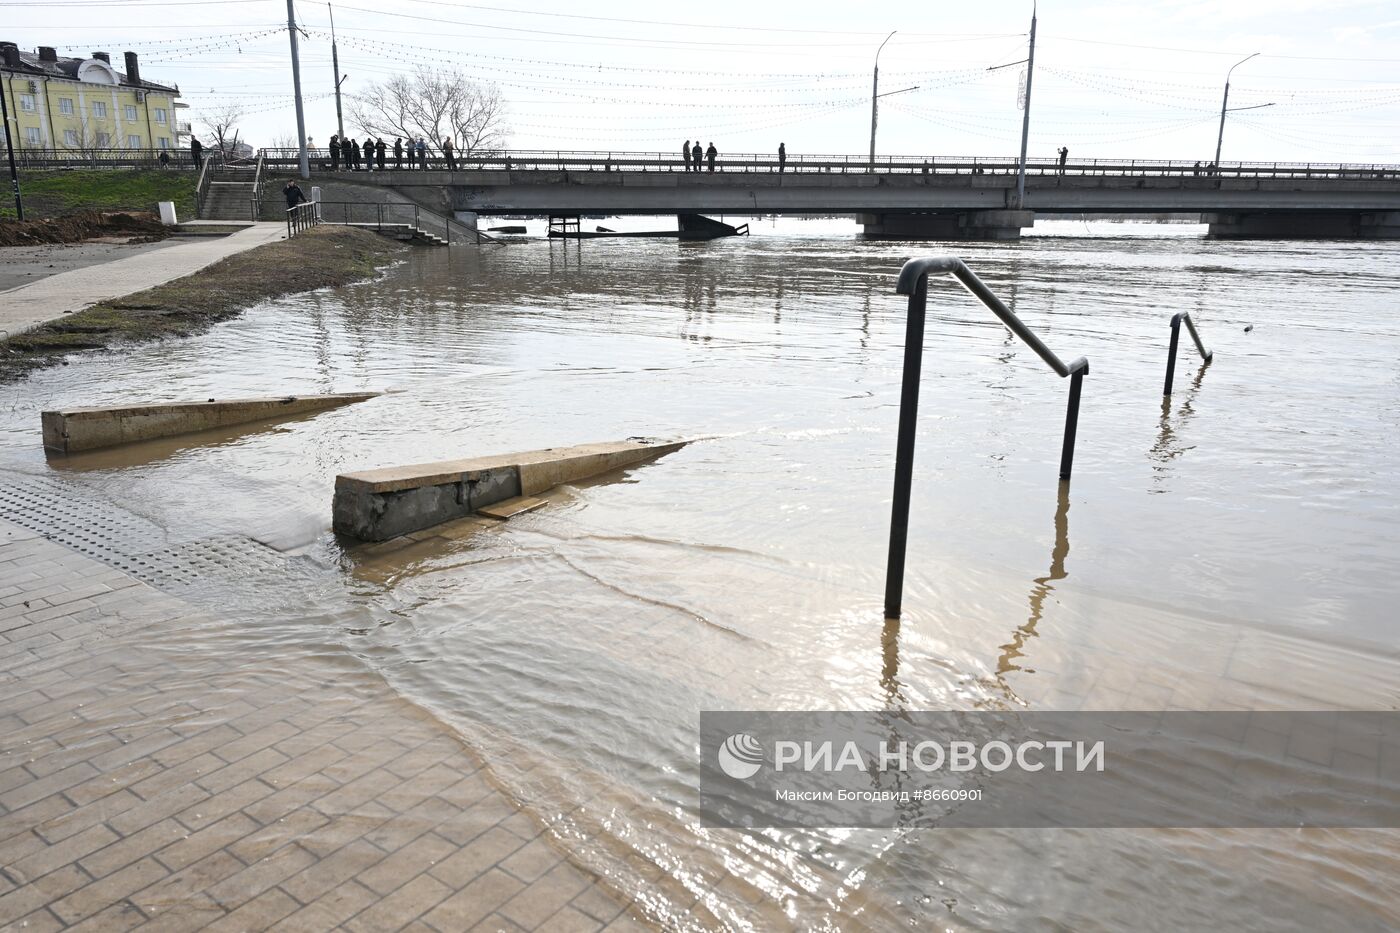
[157, 772]
[31, 305]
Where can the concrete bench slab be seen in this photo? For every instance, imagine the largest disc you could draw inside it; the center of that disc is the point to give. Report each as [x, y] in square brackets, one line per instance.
[376, 505]
[76, 429]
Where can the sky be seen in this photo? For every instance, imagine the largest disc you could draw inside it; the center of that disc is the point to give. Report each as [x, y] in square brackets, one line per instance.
[1112, 80]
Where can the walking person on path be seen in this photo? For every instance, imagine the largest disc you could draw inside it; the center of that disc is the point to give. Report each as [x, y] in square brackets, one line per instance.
[398, 153]
[196, 152]
[293, 194]
[685, 154]
[447, 154]
[782, 157]
[335, 153]
[710, 154]
[697, 155]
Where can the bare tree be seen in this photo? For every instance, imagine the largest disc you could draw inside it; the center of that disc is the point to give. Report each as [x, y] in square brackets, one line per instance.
[434, 104]
[221, 123]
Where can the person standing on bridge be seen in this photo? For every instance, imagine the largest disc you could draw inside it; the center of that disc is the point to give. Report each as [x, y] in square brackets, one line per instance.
[379, 149]
[447, 154]
[697, 156]
[782, 157]
[422, 154]
[710, 154]
[1064, 154]
[398, 153]
[685, 154]
[335, 152]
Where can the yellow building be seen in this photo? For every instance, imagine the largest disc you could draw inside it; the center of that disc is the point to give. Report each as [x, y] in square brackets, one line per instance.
[84, 104]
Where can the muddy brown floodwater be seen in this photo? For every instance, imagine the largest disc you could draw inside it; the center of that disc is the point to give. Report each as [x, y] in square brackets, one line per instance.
[1236, 548]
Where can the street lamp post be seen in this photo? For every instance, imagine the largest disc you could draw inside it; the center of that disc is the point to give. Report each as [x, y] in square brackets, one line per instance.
[339, 78]
[875, 98]
[303, 161]
[1219, 139]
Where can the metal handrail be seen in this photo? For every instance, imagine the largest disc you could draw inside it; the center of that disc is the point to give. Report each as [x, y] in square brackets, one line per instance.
[201, 187]
[913, 281]
[1206, 355]
[303, 216]
[257, 189]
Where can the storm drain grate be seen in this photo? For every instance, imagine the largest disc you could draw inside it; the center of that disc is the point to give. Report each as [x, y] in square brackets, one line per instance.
[129, 542]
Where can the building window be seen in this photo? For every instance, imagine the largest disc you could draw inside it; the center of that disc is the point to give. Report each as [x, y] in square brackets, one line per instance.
[32, 134]
[65, 105]
[26, 103]
[99, 109]
[104, 140]
[133, 142]
[130, 112]
[70, 138]
[164, 142]
[160, 114]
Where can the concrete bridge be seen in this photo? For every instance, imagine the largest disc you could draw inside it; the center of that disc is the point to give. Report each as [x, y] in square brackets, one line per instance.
[906, 197]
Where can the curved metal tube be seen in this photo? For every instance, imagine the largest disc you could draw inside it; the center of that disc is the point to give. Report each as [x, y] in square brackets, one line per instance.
[913, 281]
[916, 269]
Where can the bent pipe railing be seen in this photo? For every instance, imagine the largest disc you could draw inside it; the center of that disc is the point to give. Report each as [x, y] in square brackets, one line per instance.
[1206, 355]
[913, 281]
[303, 217]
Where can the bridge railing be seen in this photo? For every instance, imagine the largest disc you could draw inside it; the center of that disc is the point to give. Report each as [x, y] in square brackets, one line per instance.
[913, 281]
[541, 160]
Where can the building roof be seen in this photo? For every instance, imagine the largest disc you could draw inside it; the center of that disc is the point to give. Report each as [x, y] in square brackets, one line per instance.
[30, 63]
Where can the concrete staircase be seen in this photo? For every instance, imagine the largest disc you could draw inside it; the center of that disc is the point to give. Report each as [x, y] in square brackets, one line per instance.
[228, 200]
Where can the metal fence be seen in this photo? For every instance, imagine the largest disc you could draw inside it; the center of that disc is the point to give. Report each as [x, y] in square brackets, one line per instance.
[618, 161]
[112, 158]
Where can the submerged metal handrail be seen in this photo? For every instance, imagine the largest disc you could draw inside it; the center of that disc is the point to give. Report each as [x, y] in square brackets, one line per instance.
[913, 281]
[1206, 355]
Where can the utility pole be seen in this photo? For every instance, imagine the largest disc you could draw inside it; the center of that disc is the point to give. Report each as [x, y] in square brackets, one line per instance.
[1026, 118]
[305, 163]
[875, 98]
[1029, 62]
[335, 63]
[1221, 137]
[10, 150]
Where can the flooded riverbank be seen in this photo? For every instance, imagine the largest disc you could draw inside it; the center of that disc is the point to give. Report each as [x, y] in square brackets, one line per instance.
[1234, 548]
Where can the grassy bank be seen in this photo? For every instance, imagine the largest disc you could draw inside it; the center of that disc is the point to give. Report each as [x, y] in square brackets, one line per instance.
[52, 194]
[318, 258]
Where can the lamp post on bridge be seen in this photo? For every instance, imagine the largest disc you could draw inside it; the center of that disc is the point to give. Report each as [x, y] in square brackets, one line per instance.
[1220, 138]
[875, 96]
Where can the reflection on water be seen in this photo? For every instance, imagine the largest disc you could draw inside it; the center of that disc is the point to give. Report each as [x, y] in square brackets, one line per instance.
[1011, 651]
[575, 645]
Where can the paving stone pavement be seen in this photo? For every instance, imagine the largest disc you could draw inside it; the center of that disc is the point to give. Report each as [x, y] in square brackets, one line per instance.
[156, 773]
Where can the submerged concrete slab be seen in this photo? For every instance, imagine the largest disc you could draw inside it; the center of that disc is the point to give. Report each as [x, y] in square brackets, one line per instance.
[78, 429]
[512, 507]
[376, 505]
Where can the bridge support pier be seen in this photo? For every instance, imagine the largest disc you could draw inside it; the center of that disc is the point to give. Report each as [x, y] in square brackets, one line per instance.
[466, 219]
[1304, 225]
[962, 225]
